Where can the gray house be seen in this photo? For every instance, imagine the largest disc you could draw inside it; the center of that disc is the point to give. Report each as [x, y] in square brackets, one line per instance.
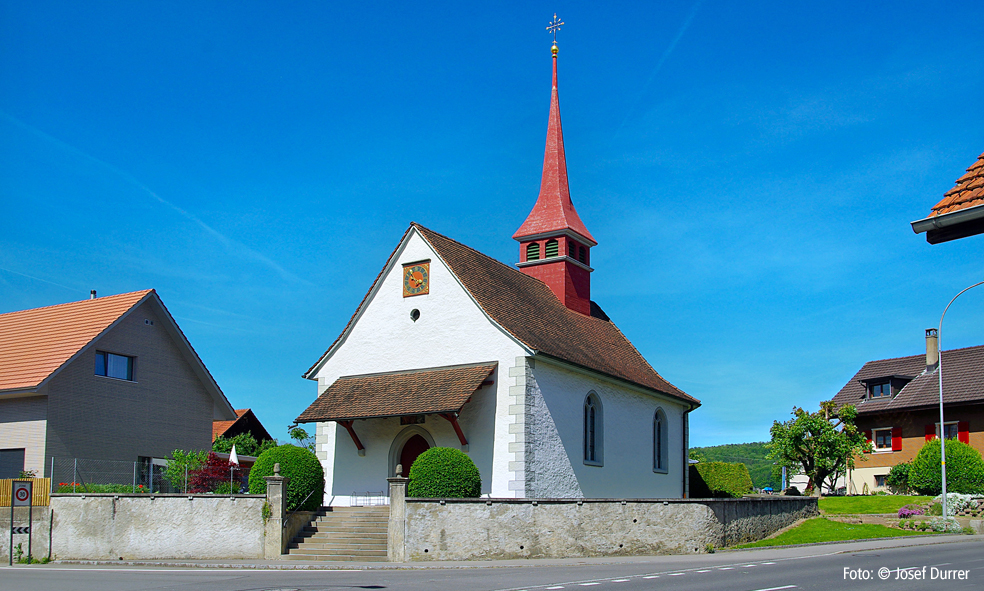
[110, 378]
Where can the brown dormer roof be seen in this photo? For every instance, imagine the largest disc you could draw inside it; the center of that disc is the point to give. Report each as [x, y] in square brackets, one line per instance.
[526, 309]
[245, 422]
[963, 382]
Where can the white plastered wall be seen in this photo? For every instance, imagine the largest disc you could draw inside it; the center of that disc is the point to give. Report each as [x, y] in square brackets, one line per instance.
[451, 330]
[627, 447]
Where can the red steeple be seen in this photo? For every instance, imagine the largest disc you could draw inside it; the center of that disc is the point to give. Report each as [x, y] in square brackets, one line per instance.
[554, 209]
[554, 244]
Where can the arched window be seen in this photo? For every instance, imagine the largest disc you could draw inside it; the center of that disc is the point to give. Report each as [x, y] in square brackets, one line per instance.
[660, 441]
[582, 255]
[593, 431]
[572, 249]
[533, 251]
[552, 249]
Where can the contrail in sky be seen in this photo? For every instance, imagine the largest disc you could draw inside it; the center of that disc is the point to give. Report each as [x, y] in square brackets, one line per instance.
[229, 243]
[659, 64]
[38, 279]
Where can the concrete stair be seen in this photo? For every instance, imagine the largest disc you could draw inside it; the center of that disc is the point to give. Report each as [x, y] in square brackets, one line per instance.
[343, 533]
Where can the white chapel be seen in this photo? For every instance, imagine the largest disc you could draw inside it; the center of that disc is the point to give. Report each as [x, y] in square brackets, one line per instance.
[514, 365]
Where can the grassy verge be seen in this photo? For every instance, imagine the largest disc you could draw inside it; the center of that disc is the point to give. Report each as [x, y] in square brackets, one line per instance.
[820, 529]
[867, 504]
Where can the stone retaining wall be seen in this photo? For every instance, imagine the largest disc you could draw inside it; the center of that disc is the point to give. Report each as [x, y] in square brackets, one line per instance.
[485, 529]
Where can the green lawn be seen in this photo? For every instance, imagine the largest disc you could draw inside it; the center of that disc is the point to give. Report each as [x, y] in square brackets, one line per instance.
[867, 504]
[820, 529]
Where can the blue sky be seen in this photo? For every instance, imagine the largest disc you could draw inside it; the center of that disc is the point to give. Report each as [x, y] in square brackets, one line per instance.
[748, 169]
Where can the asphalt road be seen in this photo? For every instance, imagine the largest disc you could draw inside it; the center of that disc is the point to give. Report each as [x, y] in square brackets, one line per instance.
[849, 566]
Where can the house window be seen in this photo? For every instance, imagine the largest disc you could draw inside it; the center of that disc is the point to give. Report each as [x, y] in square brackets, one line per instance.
[659, 441]
[533, 251]
[880, 480]
[880, 390]
[112, 365]
[593, 431]
[551, 249]
[11, 463]
[950, 430]
[572, 249]
[582, 254]
[882, 439]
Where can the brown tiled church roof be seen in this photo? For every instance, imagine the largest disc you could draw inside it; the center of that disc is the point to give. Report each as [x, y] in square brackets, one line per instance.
[963, 382]
[968, 192]
[424, 391]
[527, 309]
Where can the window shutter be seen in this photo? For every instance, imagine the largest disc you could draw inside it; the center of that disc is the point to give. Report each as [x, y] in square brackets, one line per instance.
[896, 438]
[963, 432]
[930, 432]
[867, 436]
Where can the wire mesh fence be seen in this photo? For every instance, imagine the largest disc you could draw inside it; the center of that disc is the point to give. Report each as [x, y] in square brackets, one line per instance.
[82, 475]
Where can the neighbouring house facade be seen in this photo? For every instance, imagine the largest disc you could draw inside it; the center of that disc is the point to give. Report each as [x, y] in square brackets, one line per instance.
[898, 407]
[961, 211]
[517, 367]
[109, 378]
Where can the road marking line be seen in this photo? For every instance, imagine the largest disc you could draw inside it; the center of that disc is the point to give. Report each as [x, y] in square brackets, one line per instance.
[651, 577]
[749, 565]
[777, 588]
[557, 587]
[620, 581]
[727, 568]
[768, 563]
[589, 584]
[677, 574]
[704, 571]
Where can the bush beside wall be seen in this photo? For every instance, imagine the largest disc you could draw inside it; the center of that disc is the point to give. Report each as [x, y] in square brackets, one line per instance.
[719, 480]
[303, 469]
[444, 472]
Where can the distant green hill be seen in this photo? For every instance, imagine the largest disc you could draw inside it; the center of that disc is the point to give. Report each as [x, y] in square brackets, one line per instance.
[750, 454]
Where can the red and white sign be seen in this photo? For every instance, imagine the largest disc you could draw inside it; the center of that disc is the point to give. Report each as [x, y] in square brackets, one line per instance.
[22, 493]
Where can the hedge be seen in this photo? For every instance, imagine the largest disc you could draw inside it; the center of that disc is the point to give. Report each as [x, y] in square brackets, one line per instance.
[298, 464]
[445, 473]
[719, 479]
[964, 469]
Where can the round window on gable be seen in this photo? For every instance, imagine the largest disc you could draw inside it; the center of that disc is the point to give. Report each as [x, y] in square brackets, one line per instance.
[414, 314]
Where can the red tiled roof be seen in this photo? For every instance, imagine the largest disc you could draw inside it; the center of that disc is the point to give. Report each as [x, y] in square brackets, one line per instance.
[554, 210]
[963, 382]
[425, 391]
[220, 427]
[968, 192]
[35, 343]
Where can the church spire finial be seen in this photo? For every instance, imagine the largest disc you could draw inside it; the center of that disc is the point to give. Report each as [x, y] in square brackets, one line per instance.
[553, 27]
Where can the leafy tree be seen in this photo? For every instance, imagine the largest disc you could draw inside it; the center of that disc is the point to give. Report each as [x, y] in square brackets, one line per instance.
[823, 444]
[301, 436]
[964, 469]
[697, 454]
[181, 465]
[245, 444]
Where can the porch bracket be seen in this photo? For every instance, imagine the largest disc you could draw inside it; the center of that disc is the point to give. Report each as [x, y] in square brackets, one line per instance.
[355, 438]
[453, 419]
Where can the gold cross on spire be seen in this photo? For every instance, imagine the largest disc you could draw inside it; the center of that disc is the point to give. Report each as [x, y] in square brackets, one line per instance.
[554, 26]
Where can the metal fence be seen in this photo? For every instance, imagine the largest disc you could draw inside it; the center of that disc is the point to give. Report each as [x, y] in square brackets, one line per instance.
[79, 475]
[368, 499]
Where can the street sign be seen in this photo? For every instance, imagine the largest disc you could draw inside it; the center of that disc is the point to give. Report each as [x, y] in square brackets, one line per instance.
[22, 530]
[22, 493]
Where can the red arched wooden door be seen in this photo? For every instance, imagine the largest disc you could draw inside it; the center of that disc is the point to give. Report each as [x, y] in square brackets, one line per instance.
[414, 446]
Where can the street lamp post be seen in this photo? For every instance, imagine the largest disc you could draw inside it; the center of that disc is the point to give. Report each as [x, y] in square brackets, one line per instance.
[939, 371]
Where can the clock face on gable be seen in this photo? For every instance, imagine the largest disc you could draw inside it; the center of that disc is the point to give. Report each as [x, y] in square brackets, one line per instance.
[416, 279]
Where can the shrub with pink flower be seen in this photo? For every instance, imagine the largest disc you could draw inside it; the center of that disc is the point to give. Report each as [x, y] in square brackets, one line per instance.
[907, 511]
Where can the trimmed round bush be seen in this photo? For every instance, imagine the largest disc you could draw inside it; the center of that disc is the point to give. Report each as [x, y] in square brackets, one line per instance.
[298, 464]
[445, 473]
[964, 469]
[898, 479]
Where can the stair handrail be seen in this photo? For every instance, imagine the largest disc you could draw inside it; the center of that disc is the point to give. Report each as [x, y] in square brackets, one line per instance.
[283, 523]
